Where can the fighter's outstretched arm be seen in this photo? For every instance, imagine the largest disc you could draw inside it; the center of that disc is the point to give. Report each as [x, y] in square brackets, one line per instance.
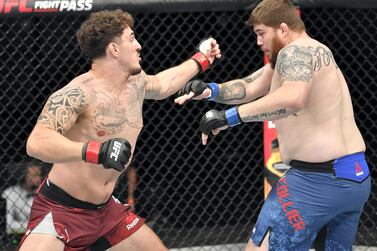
[168, 82]
[237, 91]
[295, 69]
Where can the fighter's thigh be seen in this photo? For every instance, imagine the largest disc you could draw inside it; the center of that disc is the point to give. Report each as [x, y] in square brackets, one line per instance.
[144, 239]
[341, 231]
[41, 242]
[288, 216]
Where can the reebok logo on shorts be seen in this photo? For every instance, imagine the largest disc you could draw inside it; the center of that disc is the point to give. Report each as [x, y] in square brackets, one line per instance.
[133, 223]
[358, 169]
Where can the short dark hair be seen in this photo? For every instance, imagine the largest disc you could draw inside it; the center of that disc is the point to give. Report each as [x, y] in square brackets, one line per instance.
[274, 12]
[100, 29]
[31, 162]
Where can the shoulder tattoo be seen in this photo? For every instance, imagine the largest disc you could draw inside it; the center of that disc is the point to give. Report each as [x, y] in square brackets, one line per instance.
[63, 108]
[322, 57]
[295, 63]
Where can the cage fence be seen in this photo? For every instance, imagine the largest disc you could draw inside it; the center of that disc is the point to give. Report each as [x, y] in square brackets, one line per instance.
[191, 195]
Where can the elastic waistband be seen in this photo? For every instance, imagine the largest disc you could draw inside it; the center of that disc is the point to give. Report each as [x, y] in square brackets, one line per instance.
[325, 167]
[58, 195]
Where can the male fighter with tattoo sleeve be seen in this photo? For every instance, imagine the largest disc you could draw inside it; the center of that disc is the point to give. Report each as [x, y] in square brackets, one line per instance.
[88, 129]
[305, 93]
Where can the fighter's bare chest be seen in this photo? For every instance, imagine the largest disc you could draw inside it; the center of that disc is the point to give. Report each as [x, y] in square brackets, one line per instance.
[110, 115]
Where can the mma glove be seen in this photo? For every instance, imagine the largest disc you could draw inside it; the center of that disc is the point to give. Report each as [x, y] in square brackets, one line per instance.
[200, 55]
[198, 86]
[214, 119]
[113, 153]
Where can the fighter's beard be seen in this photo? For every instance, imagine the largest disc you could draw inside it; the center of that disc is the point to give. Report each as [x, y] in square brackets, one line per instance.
[277, 45]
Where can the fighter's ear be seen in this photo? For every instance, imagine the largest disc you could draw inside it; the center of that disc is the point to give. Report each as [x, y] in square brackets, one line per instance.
[113, 49]
[284, 29]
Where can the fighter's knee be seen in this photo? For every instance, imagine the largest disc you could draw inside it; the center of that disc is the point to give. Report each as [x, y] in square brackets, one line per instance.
[41, 242]
[250, 246]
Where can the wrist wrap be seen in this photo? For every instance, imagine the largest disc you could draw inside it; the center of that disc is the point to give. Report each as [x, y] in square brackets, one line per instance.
[214, 90]
[90, 152]
[201, 60]
[232, 116]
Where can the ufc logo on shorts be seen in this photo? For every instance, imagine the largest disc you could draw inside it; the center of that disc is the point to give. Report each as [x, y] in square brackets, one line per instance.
[116, 150]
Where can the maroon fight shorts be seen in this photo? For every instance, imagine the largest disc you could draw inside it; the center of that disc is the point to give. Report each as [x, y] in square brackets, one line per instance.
[79, 224]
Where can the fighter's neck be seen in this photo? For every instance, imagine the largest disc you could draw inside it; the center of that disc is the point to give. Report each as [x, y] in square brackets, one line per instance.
[111, 73]
[297, 36]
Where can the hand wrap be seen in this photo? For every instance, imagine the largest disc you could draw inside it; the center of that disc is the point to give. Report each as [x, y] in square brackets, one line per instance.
[197, 87]
[200, 56]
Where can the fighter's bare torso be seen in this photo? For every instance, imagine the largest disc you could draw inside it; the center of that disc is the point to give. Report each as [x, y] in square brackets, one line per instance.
[107, 113]
[325, 129]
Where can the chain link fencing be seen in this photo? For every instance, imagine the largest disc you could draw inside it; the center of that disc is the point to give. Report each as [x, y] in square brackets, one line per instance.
[191, 195]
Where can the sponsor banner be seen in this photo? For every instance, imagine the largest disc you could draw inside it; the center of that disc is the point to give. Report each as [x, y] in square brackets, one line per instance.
[8, 7]
[13, 7]
[269, 134]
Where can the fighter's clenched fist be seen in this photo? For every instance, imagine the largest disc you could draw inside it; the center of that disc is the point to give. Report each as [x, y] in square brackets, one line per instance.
[113, 153]
[216, 120]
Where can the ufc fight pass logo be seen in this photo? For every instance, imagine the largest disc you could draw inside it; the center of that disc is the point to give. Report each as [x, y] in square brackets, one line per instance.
[33, 6]
[116, 150]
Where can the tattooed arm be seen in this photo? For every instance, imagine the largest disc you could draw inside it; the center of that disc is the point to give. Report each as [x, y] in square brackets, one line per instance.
[244, 90]
[295, 68]
[236, 91]
[47, 141]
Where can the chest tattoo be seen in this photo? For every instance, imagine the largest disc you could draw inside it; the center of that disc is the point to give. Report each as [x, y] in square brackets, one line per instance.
[111, 118]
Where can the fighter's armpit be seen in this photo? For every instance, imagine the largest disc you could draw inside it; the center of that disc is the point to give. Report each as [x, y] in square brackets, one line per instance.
[295, 63]
[62, 109]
